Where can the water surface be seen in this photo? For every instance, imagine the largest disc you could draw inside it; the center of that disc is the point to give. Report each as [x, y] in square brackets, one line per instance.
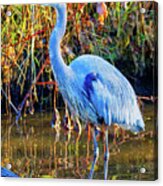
[35, 149]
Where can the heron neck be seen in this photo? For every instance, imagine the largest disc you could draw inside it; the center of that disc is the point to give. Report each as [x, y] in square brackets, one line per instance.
[59, 67]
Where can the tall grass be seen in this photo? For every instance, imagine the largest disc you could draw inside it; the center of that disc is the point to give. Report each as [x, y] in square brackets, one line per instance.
[118, 32]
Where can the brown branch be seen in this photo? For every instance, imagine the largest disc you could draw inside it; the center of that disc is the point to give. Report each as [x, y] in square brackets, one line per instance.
[47, 83]
[21, 106]
[147, 98]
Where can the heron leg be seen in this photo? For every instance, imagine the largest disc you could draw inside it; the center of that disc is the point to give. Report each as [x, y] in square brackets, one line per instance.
[106, 155]
[96, 154]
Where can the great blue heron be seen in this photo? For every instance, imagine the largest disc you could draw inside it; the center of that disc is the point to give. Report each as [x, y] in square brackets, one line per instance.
[94, 90]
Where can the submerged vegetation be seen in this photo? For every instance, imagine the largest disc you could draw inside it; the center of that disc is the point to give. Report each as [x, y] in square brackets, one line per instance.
[37, 150]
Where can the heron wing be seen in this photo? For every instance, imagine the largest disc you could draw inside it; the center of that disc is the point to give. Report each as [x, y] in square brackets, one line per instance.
[108, 91]
[98, 94]
[113, 104]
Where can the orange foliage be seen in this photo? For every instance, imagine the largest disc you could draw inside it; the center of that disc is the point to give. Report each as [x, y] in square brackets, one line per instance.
[102, 11]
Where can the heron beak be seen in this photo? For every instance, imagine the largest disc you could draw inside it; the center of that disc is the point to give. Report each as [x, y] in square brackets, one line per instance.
[45, 4]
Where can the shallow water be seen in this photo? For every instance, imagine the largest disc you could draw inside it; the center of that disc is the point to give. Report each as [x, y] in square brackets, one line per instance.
[35, 149]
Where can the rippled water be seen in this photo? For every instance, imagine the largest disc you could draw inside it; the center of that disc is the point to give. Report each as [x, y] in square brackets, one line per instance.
[36, 150]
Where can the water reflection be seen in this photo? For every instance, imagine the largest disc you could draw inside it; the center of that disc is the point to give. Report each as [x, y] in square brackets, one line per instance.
[35, 149]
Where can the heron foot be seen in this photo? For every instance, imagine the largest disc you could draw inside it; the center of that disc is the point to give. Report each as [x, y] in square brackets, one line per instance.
[95, 158]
